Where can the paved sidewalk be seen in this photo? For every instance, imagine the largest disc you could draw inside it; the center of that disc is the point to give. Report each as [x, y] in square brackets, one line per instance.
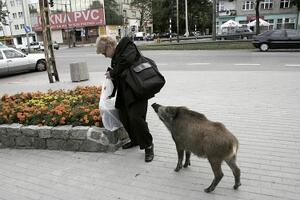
[261, 108]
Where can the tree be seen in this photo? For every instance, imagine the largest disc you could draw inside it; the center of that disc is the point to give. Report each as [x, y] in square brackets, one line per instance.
[297, 4]
[96, 5]
[111, 15]
[145, 9]
[257, 3]
[200, 14]
[3, 14]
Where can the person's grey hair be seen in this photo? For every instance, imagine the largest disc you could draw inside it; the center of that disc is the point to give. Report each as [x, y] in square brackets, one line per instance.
[104, 41]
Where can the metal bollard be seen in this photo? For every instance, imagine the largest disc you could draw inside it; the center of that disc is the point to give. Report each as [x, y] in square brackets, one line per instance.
[79, 72]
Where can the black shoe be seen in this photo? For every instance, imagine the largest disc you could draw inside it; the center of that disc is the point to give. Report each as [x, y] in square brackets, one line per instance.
[129, 145]
[149, 153]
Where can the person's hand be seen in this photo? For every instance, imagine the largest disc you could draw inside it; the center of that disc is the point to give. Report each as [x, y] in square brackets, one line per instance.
[107, 75]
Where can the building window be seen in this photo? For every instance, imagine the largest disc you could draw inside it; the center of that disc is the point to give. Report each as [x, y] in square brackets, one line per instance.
[285, 3]
[133, 13]
[12, 3]
[22, 26]
[266, 4]
[248, 5]
[221, 6]
[271, 22]
[19, 2]
[20, 14]
[17, 27]
[15, 15]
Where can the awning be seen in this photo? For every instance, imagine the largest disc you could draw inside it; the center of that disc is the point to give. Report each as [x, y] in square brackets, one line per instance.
[261, 23]
[230, 23]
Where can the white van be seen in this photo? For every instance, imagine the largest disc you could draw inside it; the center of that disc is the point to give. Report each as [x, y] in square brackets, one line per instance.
[139, 36]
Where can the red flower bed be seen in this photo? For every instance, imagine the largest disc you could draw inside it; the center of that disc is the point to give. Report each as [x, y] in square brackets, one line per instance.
[78, 107]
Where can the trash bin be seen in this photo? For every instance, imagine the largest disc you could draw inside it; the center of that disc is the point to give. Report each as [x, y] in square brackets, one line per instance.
[79, 71]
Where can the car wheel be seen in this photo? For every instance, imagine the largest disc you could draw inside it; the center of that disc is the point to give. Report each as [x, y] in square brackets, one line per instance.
[264, 47]
[41, 65]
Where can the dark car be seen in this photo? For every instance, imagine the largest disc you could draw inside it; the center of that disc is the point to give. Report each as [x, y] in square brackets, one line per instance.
[277, 39]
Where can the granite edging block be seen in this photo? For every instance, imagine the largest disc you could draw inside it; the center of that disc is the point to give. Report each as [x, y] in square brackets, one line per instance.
[14, 129]
[68, 138]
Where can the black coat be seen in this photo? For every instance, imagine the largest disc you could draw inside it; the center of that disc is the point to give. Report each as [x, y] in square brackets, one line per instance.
[125, 55]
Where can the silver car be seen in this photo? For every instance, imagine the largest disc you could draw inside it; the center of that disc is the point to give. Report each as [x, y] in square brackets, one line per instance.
[13, 61]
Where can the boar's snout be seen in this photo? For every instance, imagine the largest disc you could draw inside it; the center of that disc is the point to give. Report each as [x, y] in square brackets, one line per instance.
[155, 106]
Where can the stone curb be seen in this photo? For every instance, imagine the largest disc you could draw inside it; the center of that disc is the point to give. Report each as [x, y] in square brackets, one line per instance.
[68, 138]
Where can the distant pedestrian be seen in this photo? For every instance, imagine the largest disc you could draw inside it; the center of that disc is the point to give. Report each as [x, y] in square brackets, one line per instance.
[132, 110]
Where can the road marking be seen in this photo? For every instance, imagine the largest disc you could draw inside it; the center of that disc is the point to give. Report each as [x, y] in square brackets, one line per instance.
[15, 82]
[198, 63]
[292, 65]
[246, 64]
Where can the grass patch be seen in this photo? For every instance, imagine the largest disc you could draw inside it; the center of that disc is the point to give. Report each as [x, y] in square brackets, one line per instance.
[209, 45]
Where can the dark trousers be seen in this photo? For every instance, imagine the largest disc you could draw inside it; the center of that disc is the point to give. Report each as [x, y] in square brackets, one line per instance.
[133, 118]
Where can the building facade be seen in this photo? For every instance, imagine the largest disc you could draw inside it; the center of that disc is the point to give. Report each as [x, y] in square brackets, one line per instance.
[19, 24]
[278, 13]
[80, 21]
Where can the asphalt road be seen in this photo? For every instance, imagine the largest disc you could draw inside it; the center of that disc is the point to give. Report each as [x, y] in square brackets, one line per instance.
[190, 60]
[176, 61]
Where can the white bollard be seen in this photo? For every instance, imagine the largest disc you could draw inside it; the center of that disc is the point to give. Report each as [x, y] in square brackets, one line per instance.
[79, 71]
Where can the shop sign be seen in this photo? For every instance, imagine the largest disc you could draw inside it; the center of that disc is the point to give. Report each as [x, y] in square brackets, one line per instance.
[78, 19]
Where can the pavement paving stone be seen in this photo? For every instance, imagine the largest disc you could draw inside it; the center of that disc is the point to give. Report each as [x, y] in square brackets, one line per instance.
[260, 107]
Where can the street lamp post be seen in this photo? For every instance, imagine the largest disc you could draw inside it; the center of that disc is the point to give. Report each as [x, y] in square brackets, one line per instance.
[186, 20]
[170, 29]
[177, 19]
[214, 20]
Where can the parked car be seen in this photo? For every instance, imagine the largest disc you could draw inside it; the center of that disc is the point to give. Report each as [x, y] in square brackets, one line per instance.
[243, 30]
[55, 45]
[150, 37]
[277, 39]
[167, 35]
[36, 46]
[13, 61]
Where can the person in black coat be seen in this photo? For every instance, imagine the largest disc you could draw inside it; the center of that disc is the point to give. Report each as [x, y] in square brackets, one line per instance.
[132, 110]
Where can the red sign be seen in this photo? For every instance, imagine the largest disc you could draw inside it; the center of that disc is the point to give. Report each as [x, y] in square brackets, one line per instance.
[76, 19]
[252, 18]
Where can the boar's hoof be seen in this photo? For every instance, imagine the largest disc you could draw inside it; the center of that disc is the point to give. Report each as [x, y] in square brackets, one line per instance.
[236, 186]
[209, 189]
[186, 164]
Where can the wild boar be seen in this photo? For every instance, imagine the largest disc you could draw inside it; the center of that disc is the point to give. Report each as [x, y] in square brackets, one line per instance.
[193, 132]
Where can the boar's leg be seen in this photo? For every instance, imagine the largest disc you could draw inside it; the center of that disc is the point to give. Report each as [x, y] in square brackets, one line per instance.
[235, 170]
[180, 153]
[187, 159]
[216, 167]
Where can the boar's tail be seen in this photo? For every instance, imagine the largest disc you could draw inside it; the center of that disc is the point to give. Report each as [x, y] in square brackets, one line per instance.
[234, 149]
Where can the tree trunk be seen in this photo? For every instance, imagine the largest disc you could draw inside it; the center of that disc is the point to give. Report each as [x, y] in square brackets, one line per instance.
[257, 17]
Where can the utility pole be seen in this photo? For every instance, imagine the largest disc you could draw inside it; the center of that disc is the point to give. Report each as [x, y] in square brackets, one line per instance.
[186, 20]
[48, 46]
[214, 20]
[177, 19]
[67, 22]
